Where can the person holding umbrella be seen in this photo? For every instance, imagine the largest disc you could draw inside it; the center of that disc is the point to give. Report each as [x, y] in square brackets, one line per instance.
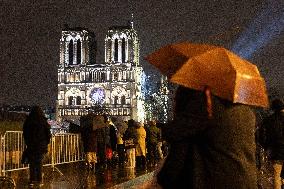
[212, 135]
[209, 149]
[90, 123]
[102, 140]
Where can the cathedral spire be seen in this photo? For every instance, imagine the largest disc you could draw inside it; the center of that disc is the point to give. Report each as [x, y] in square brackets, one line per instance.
[131, 23]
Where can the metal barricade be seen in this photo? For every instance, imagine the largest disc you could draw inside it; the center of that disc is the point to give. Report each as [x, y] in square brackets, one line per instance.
[12, 148]
[64, 148]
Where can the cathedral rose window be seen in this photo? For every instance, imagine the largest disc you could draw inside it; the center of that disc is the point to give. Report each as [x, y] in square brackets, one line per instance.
[97, 95]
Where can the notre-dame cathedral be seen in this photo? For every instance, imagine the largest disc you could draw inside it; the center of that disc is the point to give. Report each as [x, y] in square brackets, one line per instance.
[84, 83]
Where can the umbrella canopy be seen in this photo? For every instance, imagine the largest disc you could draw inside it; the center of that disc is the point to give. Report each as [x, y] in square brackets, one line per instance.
[92, 121]
[98, 122]
[226, 74]
[121, 125]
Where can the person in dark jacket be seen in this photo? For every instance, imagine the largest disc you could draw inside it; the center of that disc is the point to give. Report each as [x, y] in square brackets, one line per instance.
[36, 131]
[152, 140]
[89, 137]
[103, 141]
[212, 144]
[274, 142]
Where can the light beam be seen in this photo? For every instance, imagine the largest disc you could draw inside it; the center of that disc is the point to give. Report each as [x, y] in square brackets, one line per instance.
[268, 25]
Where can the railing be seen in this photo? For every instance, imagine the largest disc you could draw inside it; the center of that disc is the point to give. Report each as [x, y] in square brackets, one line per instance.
[64, 148]
[11, 151]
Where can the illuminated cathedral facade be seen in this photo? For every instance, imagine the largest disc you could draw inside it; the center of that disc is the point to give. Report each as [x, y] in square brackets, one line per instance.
[114, 85]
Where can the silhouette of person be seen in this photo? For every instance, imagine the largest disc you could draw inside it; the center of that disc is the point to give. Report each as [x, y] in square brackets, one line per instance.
[36, 131]
[212, 144]
[273, 126]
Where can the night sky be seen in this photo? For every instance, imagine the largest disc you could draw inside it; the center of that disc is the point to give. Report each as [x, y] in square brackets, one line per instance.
[31, 30]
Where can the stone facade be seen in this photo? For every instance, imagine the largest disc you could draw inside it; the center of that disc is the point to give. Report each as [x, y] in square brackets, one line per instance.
[113, 86]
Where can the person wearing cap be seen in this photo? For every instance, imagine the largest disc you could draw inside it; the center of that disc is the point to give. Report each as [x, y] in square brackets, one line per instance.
[274, 142]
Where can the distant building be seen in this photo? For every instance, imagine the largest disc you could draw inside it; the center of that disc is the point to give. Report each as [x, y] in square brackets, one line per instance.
[113, 86]
[20, 112]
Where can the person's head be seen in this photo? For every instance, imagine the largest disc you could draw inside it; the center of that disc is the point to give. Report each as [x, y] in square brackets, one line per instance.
[277, 105]
[152, 123]
[131, 123]
[105, 117]
[114, 119]
[99, 118]
[36, 113]
[192, 101]
[37, 116]
[138, 124]
[98, 121]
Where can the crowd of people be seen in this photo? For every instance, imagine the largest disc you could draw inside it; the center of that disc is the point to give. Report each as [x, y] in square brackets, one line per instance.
[210, 143]
[110, 141]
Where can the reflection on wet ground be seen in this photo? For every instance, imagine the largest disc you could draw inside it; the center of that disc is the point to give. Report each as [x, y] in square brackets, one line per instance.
[76, 175]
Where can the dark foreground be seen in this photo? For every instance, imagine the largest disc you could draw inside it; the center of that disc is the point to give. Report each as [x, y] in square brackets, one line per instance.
[77, 176]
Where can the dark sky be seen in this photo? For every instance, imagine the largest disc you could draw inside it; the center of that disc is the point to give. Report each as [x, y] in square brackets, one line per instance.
[31, 30]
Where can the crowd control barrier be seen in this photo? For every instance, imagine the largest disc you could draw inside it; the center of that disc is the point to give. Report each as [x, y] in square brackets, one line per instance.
[63, 148]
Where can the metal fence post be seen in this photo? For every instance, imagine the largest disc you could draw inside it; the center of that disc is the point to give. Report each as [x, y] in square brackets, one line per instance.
[1, 155]
[53, 145]
[4, 155]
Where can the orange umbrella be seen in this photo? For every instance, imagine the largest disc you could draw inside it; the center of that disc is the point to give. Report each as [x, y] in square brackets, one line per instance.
[226, 74]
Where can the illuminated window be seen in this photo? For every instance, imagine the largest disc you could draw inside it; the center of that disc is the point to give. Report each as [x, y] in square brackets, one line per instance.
[90, 76]
[116, 100]
[103, 76]
[115, 76]
[123, 100]
[97, 95]
[72, 77]
[70, 100]
[77, 77]
[116, 50]
[123, 50]
[78, 51]
[78, 100]
[70, 48]
[124, 75]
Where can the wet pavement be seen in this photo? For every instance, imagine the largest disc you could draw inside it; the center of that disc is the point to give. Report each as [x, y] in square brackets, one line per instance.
[77, 176]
